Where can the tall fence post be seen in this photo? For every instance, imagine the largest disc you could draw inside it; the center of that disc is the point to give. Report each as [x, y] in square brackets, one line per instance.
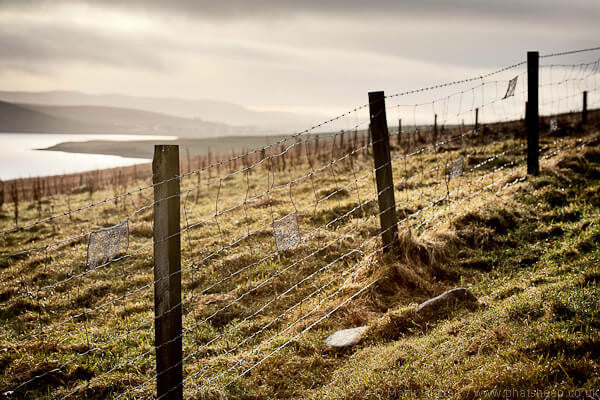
[584, 108]
[383, 170]
[435, 129]
[167, 273]
[399, 138]
[476, 119]
[533, 123]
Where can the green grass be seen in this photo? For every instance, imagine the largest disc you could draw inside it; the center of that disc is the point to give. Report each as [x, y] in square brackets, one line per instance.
[529, 253]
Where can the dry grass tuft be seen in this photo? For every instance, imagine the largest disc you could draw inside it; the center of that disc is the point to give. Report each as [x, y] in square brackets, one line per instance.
[574, 163]
[427, 251]
[264, 201]
[333, 193]
[394, 325]
[142, 229]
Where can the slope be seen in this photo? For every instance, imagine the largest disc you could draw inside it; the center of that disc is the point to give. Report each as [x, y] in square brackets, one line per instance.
[17, 119]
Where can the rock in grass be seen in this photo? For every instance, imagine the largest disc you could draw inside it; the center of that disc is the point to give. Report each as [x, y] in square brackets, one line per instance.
[455, 297]
[346, 337]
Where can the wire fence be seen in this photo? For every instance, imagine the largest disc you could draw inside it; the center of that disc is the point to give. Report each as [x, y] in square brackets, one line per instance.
[275, 242]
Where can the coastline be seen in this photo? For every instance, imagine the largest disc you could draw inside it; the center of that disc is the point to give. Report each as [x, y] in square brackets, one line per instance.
[145, 148]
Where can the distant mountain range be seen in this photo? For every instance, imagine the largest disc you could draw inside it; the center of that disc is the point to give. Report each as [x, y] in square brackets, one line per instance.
[24, 118]
[18, 119]
[130, 114]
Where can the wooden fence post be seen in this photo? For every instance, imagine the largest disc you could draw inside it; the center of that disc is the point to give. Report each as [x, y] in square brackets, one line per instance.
[435, 129]
[383, 170]
[399, 138]
[167, 273]
[533, 123]
[584, 109]
[476, 119]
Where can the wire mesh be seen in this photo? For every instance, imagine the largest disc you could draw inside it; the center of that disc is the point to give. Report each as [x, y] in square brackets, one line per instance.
[275, 241]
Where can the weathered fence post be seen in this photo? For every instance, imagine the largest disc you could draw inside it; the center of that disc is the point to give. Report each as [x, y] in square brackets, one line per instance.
[167, 273]
[584, 109]
[533, 123]
[383, 170]
[435, 129]
[476, 119]
[399, 138]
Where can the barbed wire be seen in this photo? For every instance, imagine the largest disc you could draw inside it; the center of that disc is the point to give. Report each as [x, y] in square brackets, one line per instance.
[457, 82]
[569, 52]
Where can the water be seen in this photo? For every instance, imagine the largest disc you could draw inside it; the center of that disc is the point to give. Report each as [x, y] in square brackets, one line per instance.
[18, 159]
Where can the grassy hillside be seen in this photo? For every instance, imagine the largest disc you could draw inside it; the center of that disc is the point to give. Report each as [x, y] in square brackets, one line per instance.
[533, 259]
[255, 318]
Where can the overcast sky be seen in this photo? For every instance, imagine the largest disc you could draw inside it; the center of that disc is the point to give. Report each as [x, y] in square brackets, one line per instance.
[304, 56]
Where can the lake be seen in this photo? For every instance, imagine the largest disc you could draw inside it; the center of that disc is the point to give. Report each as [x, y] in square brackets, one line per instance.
[19, 159]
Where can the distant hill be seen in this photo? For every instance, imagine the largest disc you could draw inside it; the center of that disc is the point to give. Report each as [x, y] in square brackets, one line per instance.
[206, 110]
[32, 118]
[18, 119]
[132, 121]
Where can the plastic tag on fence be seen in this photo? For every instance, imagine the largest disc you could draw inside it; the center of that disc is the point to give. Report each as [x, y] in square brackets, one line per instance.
[456, 168]
[553, 125]
[512, 85]
[286, 232]
[105, 244]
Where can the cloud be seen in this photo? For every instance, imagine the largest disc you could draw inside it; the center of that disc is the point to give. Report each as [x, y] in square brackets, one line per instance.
[279, 52]
[547, 11]
[582, 9]
[52, 44]
[460, 32]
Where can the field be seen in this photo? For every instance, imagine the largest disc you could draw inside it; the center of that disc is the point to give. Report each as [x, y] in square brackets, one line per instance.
[255, 318]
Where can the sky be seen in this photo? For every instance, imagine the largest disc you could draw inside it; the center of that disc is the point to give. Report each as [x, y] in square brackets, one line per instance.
[315, 57]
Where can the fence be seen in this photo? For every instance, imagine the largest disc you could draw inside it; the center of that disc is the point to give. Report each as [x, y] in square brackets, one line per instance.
[189, 284]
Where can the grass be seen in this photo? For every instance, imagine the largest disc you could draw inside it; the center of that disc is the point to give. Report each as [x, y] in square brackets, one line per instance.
[529, 253]
[537, 332]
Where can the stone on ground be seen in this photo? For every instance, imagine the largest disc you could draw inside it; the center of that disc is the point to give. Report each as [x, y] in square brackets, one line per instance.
[346, 337]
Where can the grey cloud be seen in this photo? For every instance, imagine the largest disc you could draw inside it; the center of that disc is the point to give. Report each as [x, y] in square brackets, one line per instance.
[294, 52]
[45, 44]
[429, 30]
[517, 9]
[476, 45]
[42, 49]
